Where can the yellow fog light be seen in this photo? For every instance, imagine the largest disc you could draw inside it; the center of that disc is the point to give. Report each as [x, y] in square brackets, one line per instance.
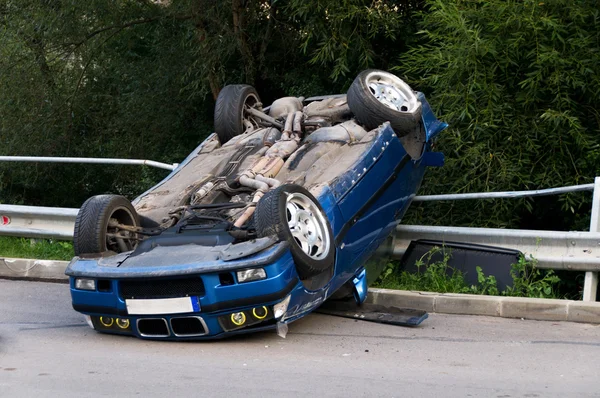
[106, 321]
[260, 313]
[123, 323]
[238, 318]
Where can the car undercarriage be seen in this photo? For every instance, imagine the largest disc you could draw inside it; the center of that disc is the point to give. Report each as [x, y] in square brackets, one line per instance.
[273, 214]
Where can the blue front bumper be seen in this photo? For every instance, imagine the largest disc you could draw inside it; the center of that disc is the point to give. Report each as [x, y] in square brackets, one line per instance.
[220, 294]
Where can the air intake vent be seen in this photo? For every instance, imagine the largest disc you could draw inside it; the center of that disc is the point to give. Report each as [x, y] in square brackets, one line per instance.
[153, 327]
[188, 326]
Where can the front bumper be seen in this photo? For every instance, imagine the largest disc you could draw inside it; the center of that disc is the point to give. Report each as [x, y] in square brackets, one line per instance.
[212, 298]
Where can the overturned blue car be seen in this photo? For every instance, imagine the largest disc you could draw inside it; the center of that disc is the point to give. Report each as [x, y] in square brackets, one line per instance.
[277, 211]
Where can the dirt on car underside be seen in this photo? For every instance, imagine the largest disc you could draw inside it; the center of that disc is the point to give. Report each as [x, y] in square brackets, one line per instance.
[312, 166]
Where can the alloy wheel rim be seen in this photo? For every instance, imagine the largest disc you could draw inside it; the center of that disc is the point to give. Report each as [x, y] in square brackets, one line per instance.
[307, 225]
[385, 89]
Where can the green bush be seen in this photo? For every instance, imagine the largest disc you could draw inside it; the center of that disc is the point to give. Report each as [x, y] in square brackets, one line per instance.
[518, 81]
[519, 84]
[530, 281]
[432, 276]
[438, 276]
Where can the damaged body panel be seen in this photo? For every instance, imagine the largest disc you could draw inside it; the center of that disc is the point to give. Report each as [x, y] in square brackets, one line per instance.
[263, 222]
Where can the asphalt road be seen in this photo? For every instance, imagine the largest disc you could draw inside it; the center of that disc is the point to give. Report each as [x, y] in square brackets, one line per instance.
[46, 350]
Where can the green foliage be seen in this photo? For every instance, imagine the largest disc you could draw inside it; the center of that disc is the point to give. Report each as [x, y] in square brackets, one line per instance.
[104, 85]
[138, 78]
[431, 276]
[44, 249]
[486, 285]
[519, 84]
[350, 35]
[530, 281]
[438, 276]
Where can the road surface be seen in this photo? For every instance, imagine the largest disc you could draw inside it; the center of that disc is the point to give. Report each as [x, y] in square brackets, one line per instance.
[46, 350]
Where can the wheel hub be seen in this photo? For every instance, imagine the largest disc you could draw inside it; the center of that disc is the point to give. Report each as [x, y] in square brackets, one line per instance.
[119, 240]
[307, 226]
[385, 91]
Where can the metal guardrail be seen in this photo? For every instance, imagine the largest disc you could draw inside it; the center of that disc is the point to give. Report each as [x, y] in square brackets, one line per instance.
[506, 194]
[581, 256]
[47, 159]
[37, 222]
[576, 251]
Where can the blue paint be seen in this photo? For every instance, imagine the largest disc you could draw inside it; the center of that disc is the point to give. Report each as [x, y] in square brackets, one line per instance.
[384, 160]
[195, 303]
[360, 287]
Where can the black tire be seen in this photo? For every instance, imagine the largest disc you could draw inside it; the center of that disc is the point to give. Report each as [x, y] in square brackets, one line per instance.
[229, 110]
[91, 224]
[271, 218]
[372, 113]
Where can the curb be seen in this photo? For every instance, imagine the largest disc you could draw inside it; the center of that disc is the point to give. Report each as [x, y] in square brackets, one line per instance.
[24, 268]
[505, 307]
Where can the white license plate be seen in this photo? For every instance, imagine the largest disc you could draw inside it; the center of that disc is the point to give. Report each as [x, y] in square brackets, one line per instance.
[177, 305]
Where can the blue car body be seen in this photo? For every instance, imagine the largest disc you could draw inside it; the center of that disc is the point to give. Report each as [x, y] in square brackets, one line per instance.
[363, 207]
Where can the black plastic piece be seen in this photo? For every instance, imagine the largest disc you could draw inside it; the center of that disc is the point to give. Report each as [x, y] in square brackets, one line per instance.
[187, 326]
[156, 327]
[465, 257]
[226, 279]
[373, 313]
[104, 285]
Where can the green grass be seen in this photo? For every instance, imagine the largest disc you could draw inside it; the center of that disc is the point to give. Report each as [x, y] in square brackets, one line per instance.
[42, 249]
[430, 277]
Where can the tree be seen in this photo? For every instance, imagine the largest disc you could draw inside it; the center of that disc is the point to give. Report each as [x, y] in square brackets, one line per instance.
[519, 84]
[138, 78]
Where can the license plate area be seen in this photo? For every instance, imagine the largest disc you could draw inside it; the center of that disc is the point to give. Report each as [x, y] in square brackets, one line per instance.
[177, 305]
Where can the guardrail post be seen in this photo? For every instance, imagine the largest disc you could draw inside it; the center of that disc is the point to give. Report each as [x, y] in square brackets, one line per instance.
[590, 286]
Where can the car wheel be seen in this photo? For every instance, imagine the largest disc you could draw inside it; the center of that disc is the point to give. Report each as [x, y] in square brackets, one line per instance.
[95, 226]
[294, 215]
[229, 110]
[376, 97]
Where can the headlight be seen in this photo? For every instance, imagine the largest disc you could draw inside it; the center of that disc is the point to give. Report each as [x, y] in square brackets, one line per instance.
[85, 284]
[253, 274]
